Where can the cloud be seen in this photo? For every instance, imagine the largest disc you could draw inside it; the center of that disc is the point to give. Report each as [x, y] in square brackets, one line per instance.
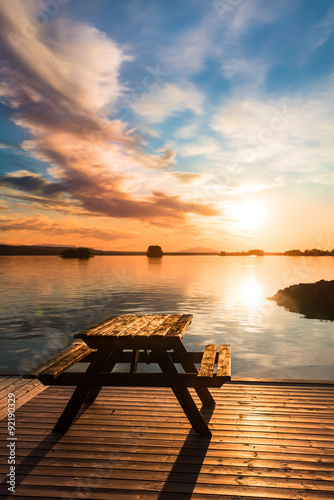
[169, 99]
[62, 80]
[322, 31]
[187, 177]
[250, 13]
[69, 63]
[204, 146]
[42, 224]
[29, 181]
[187, 56]
[292, 134]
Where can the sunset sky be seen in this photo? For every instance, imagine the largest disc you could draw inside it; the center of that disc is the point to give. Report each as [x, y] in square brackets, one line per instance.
[179, 123]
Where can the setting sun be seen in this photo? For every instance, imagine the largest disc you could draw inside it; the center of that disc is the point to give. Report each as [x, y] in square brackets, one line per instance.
[250, 215]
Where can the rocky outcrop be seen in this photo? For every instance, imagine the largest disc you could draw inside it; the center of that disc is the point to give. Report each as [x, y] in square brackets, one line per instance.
[314, 300]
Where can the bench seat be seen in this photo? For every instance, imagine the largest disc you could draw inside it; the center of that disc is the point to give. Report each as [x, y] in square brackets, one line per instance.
[209, 360]
[52, 368]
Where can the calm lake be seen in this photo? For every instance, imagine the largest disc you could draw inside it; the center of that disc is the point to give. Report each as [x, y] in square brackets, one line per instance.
[45, 300]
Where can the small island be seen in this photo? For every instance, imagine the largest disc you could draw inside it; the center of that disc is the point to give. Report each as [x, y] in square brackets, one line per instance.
[313, 300]
[76, 253]
[154, 251]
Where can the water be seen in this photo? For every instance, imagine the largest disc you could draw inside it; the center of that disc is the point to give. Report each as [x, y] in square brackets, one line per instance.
[45, 300]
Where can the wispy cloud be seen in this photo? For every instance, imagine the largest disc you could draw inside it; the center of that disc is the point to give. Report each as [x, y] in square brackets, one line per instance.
[323, 30]
[291, 134]
[169, 99]
[42, 224]
[63, 82]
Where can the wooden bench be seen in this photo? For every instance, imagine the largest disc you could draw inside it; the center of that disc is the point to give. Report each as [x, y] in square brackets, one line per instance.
[53, 367]
[214, 371]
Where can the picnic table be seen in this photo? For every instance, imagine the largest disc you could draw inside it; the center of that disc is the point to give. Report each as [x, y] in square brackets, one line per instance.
[136, 339]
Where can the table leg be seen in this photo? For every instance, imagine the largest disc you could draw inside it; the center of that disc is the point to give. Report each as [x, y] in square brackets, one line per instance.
[134, 362]
[71, 409]
[190, 367]
[109, 364]
[103, 359]
[182, 394]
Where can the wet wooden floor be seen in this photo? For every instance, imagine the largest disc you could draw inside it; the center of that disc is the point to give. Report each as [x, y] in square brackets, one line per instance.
[269, 441]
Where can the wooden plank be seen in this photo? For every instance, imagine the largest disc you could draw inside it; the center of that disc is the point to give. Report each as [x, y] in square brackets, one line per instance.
[104, 325]
[17, 384]
[20, 390]
[112, 326]
[135, 329]
[301, 408]
[153, 324]
[207, 473]
[283, 490]
[181, 474]
[68, 493]
[208, 362]
[77, 346]
[66, 361]
[165, 326]
[170, 419]
[224, 361]
[148, 461]
[231, 407]
[7, 380]
[124, 323]
[178, 329]
[125, 447]
[73, 445]
[24, 394]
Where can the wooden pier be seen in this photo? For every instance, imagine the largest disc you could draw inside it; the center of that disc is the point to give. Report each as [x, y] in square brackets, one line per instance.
[270, 440]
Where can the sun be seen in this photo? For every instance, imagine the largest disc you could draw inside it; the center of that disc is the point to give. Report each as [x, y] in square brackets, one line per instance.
[250, 214]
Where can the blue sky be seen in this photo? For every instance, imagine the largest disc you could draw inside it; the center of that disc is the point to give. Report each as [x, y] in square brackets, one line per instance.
[193, 123]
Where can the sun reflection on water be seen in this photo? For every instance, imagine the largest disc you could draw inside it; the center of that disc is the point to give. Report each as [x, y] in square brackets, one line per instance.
[251, 294]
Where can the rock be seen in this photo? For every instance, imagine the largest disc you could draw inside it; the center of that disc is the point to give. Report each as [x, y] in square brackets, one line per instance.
[313, 300]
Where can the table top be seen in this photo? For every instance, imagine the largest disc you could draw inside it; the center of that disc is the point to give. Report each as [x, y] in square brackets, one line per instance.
[138, 326]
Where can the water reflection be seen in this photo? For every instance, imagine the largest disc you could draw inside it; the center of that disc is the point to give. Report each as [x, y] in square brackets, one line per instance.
[251, 293]
[49, 298]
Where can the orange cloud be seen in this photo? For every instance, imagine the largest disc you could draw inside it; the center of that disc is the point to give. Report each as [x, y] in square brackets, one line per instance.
[62, 82]
[42, 224]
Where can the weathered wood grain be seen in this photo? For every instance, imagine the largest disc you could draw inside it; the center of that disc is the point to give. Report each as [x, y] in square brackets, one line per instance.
[208, 361]
[180, 326]
[76, 349]
[224, 361]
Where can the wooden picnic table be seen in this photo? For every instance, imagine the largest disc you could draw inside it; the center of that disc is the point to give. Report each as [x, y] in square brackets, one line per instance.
[135, 339]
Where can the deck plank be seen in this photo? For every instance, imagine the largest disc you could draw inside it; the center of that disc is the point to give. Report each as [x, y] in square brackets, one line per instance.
[268, 442]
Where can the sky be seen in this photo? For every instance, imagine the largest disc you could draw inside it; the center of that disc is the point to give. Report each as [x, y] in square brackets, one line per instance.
[184, 124]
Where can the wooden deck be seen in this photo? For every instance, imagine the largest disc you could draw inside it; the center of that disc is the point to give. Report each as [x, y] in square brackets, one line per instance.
[269, 441]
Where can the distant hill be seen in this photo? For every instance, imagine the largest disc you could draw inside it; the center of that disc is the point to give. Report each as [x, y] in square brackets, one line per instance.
[199, 250]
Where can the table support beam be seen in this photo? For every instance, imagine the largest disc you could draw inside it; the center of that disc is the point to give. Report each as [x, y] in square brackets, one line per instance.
[190, 367]
[182, 394]
[83, 392]
[105, 366]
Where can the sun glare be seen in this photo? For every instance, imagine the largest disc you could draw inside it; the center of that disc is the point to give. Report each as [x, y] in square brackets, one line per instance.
[251, 294]
[250, 215]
